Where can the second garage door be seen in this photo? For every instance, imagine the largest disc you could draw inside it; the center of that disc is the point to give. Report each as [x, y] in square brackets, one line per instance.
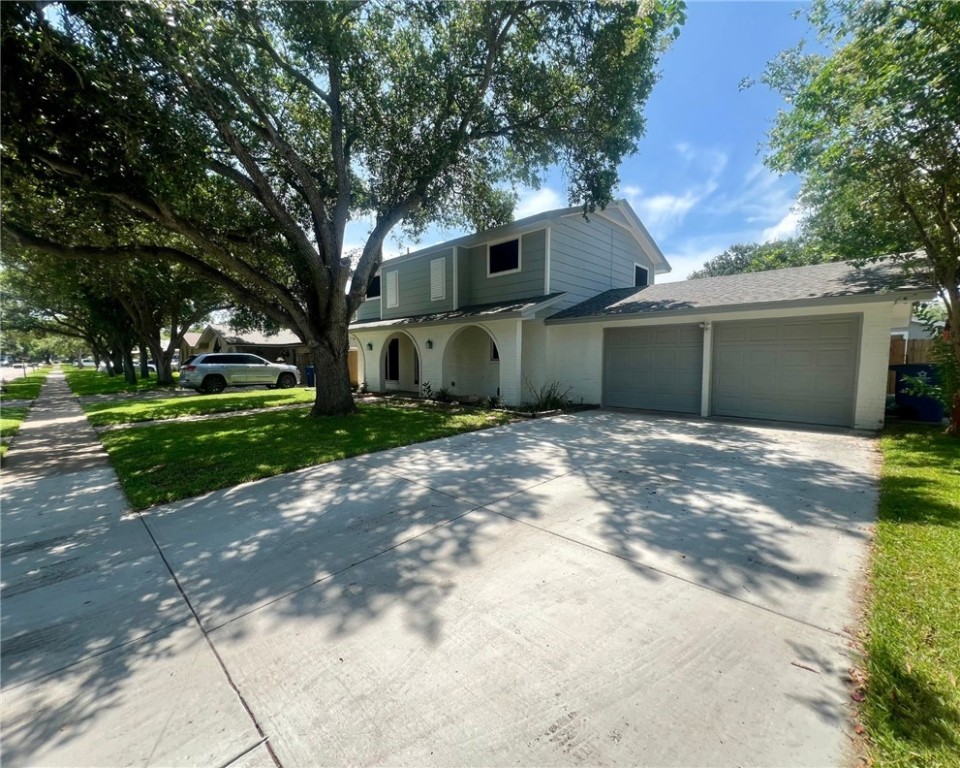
[789, 370]
[656, 367]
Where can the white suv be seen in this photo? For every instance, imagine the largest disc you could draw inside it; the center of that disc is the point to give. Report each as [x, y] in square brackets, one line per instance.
[215, 371]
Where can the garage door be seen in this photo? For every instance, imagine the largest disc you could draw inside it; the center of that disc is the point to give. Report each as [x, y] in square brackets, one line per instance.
[790, 370]
[658, 368]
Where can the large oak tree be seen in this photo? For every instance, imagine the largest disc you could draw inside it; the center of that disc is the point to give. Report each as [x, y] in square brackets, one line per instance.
[239, 138]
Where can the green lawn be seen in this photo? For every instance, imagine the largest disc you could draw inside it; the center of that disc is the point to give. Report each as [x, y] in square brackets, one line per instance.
[912, 708]
[10, 421]
[106, 414]
[25, 387]
[167, 462]
[88, 381]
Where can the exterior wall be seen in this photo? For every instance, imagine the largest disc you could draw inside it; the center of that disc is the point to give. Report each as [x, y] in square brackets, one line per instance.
[589, 257]
[369, 310]
[467, 365]
[478, 288]
[575, 352]
[414, 286]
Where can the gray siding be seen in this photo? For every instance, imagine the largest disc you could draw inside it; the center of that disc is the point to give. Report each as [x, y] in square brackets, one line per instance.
[528, 282]
[589, 257]
[369, 310]
[414, 286]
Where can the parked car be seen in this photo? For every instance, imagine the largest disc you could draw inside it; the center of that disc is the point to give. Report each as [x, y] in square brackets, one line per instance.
[213, 372]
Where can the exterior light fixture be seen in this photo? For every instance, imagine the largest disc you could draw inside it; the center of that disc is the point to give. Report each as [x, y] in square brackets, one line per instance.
[429, 343]
[370, 345]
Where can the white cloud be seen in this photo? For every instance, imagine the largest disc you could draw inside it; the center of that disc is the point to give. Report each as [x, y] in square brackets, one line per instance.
[663, 212]
[534, 201]
[786, 227]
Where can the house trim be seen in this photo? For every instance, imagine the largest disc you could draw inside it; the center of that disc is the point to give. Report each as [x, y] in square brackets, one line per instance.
[838, 301]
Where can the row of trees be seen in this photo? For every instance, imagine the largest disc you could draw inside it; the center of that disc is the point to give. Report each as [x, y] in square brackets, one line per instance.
[108, 309]
[237, 139]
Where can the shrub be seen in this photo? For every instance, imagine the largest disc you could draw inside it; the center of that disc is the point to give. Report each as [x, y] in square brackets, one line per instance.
[549, 397]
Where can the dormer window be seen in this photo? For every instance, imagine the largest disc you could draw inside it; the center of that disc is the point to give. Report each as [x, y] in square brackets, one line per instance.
[373, 290]
[641, 277]
[503, 258]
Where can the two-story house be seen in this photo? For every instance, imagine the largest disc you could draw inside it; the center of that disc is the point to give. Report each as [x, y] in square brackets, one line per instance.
[468, 315]
[557, 297]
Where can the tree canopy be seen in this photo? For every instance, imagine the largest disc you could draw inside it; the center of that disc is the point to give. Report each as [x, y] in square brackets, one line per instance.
[239, 138]
[759, 257]
[873, 128]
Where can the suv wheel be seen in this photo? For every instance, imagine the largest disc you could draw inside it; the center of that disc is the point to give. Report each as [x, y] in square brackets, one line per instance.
[286, 381]
[213, 385]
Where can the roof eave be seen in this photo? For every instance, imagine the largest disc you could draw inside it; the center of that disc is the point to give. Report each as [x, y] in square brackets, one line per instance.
[871, 298]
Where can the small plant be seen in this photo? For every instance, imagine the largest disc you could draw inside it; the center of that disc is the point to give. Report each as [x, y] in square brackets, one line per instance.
[549, 397]
[362, 389]
[426, 390]
[493, 402]
[443, 395]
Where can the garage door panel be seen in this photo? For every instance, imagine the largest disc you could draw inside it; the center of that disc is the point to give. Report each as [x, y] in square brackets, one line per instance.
[789, 370]
[655, 368]
[760, 333]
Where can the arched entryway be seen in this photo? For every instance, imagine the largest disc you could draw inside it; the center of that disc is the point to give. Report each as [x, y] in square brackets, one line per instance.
[471, 364]
[355, 362]
[400, 364]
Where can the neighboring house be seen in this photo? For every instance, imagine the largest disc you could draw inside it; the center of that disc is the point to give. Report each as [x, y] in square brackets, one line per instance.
[188, 345]
[281, 347]
[555, 297]
[916, 330]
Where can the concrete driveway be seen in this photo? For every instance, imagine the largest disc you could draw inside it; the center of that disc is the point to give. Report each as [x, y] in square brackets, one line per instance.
[601, 588]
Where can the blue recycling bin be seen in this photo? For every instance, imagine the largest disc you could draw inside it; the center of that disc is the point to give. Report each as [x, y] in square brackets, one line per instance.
[912, 406]
[311, 375]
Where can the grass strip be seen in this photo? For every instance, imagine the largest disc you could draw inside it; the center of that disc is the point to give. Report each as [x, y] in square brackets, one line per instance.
[912, 710]
[25, 387]
[88, 381]
[112, 413]
[10, 421]
[166, 462]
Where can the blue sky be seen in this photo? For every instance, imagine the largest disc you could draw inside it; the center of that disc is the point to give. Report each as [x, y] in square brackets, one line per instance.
[698, 181]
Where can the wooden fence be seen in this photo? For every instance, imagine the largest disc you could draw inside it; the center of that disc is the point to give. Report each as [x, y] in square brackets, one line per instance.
[903, 351]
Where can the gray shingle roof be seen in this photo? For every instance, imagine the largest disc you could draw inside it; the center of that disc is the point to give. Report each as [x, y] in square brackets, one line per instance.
[488, 311]
[819, 282]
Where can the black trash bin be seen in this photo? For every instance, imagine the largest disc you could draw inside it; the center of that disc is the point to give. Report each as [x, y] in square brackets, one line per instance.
[311, 375]
[912, 406]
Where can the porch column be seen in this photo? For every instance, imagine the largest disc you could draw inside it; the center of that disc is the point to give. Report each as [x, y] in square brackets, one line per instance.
[707, 368]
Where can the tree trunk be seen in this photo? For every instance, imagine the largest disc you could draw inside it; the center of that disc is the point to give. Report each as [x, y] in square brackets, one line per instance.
[162, 359]
[333, 394]
[129, 371]
[144, 370]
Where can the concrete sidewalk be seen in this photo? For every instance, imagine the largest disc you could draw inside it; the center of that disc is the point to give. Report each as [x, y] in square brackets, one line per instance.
[103, 662]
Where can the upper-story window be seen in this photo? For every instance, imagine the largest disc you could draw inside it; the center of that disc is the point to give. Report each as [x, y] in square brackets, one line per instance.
[438, 279]
[393, 289]
[503, 258]
[641, 277]
[373, 290]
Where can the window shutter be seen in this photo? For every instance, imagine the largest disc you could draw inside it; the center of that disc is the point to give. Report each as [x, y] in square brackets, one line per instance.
[392, 292]
[438, 281]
